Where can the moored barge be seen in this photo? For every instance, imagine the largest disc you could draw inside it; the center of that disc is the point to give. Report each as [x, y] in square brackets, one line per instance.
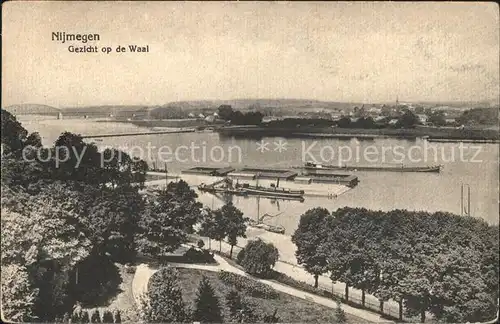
[309, 166]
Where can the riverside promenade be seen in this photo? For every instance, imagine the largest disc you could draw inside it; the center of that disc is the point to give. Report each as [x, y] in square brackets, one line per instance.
[144, 272]
[287, 264]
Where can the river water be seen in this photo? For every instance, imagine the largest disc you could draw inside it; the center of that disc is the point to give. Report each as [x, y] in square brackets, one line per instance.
[474, 165]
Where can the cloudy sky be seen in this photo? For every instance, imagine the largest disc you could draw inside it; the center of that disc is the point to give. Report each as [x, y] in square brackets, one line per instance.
[369, 52]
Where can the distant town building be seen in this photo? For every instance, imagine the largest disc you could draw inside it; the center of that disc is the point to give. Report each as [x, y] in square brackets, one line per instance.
[422, 118]
[59, 116]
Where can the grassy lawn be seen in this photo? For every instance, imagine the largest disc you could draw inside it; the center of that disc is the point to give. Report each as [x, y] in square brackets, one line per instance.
[290, 309]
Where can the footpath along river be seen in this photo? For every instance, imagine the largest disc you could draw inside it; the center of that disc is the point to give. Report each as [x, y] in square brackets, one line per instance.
[473, 164]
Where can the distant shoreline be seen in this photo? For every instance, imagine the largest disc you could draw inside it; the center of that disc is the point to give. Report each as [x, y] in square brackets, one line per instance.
[433, 134]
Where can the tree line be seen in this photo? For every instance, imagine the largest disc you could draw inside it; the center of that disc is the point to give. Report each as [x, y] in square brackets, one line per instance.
[437, 263]
[237, 117]
[59, 217]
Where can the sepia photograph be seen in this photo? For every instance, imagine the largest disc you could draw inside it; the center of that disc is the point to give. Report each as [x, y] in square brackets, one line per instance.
[250, 162]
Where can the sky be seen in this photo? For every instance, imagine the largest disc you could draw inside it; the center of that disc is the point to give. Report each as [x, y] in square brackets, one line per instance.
[332, 51]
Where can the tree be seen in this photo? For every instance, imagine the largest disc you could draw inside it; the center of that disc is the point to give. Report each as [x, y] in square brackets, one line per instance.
[225, 112]
[341, 246]
[207, 227]
[478, 116]
[308, 237]
[407, 120]
[18, 295]
[168, 217]
[437, 118]
[109, 218]
[39, 233]
[120, 169]
[259, 257]
[164, 299]
[13, 134]
[107, 316]
[340, 316]
[235, 224]
[73, 159]
[213, 226]
[344, 122]
[234, 304]
[206, 306]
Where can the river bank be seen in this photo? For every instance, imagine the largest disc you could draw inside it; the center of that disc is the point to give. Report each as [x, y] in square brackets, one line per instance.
[347, 133]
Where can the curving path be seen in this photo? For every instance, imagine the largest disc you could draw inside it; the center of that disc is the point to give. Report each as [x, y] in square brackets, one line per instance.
[144, 272]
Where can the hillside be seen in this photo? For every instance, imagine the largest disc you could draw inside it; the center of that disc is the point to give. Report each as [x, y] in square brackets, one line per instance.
[105, 111]
[262, 103]
[32, 109]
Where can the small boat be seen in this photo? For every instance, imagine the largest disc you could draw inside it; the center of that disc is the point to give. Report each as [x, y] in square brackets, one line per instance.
[212, 189]
[270, 228]
[402, 168]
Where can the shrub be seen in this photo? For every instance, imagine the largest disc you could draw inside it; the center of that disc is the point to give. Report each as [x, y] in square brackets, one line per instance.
[198, 256]
[200, 244]
[259, 257]
[240, 256]
[340, 315]
[95, 317]
[66, 317]
[249, 286]
[99, 279]
[76, 317]
[107, 317]
[289, 281]
[234, 304]
[271, 318]
[118, 317]
[130, 269]
[85, 318]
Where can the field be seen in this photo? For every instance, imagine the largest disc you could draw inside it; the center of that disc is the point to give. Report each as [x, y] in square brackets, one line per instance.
[290, 309]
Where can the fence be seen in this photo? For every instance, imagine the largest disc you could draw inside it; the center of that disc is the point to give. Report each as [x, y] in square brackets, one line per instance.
[389, 309]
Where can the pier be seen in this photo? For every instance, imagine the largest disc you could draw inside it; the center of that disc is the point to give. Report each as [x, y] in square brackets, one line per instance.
[262, 182]
[190, 130]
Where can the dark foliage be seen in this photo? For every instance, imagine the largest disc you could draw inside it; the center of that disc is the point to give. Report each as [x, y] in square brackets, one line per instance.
[207, 308]
[439, 263]
[107, 316]
[165, 298]
[248, 286]
[259, 257]
[95, 317]
[98, 280]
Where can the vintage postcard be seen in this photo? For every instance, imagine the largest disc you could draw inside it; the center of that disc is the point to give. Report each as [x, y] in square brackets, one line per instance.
[256, 162]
